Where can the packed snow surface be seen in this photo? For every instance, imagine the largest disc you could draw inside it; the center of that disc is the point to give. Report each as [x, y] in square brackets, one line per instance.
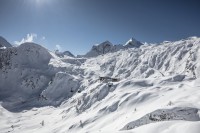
[131, 88]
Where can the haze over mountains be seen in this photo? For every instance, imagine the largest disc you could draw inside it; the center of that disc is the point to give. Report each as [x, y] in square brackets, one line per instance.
[157, 88]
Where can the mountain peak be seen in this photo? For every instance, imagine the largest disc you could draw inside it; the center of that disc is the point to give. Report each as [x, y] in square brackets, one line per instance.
[99, 49]
[63, 54]
[108, 47]
[133, 43]
[4, 42]
[104, 43]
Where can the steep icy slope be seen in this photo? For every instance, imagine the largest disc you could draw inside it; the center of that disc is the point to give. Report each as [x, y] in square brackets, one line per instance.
[158, 90]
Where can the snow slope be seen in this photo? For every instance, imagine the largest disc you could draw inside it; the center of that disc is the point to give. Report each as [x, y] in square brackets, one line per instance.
[158, 89]
[24, 74]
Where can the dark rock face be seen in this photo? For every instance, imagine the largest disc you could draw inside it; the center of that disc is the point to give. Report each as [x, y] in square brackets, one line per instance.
[4, 43]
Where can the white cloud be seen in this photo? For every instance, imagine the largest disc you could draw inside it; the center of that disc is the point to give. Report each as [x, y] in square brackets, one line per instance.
[58, 47]
[29, 38]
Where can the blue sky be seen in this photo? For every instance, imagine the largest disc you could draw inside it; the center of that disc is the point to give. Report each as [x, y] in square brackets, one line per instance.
[76, 25]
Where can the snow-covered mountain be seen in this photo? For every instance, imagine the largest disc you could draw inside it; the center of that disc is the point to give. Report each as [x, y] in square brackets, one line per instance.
[4, 43]
[63, 54]
[108, 47]
[133, 43]
[127, 88]
[68, 53]
[25, 72]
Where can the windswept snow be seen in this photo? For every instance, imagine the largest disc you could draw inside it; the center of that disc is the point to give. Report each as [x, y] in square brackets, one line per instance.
[158, 89]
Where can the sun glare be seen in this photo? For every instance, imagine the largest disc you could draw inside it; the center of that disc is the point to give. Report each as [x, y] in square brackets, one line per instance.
[40, 2]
